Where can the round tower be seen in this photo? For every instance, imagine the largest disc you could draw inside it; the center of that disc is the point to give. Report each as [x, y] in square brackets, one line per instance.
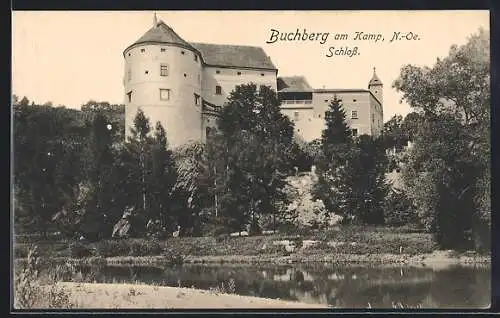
[163, 78]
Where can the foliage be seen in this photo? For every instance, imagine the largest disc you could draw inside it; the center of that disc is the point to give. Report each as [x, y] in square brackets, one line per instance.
[399, 209]
[29, 293]
[255, 144]
[447, 171]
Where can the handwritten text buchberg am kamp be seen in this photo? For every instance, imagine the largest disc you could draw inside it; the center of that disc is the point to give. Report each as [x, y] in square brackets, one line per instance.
[322, 38]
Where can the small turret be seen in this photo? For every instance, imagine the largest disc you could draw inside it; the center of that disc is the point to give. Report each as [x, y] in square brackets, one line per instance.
[376, 87]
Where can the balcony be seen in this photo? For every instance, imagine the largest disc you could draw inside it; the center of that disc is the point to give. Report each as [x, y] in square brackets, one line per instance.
[296, 103]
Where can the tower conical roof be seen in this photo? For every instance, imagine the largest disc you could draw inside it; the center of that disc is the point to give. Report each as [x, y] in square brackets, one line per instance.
[375, 80]
[162, 33]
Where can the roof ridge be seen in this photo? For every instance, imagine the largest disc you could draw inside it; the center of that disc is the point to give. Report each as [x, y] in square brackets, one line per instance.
[225, 44]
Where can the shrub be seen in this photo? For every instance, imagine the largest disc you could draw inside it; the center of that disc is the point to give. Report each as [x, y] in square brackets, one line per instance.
[110, 248]
[79, 250]
[399, 210]
[29, 293]
[145, 247]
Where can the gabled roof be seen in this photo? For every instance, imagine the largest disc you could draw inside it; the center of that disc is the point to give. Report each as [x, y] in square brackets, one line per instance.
[340, 90]
[161, 33]
[234, 55]
[293, 84]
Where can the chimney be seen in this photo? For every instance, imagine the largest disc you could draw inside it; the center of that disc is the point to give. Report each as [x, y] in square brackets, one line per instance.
[155, 20]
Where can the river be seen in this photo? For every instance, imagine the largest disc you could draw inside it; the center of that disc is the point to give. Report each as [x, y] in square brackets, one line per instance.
[337, 286]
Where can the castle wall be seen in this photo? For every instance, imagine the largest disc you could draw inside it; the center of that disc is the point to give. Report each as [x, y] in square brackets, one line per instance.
[178, 109]
[228, 78]
[351, 101]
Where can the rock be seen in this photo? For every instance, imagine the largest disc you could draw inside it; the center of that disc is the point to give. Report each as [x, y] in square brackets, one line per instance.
[121, 229]
[308, 243]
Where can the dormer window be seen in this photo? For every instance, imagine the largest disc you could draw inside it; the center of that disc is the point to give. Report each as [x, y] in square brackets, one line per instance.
[182, 52]
[239, 73]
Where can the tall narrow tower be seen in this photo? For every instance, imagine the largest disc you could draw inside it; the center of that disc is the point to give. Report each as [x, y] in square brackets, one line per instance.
[376, 87]
[162, 77]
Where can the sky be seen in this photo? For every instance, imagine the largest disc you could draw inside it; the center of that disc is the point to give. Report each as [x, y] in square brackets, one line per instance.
[71, 57]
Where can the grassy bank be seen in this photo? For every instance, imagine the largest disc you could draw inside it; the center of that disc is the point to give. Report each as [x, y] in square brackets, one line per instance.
[342, 244]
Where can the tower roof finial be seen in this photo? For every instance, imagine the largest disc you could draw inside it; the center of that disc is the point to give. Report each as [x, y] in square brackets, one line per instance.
[155, 20]
[374, 70]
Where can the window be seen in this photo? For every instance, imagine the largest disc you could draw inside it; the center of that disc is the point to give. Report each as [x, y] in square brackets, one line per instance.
[164, 70]
[143, 50]
[208, 132]
[129, 74]
[129, 54]
[326, 100]
[164, 94]
[185, 75]
[195, 57]
[261, 74]
[218, 90]
[146, 72]
[354, 100]
[296, 115]
[239, 73]
[298, 130]
[354, 114]
[373, 117]
[217, 72]
[196, 99]
[129, 96]
[162, 49]
[319, 116]
[354, 132]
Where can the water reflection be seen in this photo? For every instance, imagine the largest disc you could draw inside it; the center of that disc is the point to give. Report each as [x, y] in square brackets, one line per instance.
[339, 286]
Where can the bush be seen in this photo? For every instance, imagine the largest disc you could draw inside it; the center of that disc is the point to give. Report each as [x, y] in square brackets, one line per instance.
[79, 250]
[399, 210]
[110, 248]
[145, 248]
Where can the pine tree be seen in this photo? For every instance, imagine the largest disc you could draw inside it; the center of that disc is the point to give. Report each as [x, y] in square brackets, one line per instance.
[335, 163]
[138, 162]
[163, 176]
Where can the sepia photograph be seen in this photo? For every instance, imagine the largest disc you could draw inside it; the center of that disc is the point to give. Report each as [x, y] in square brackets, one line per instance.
[250, 160]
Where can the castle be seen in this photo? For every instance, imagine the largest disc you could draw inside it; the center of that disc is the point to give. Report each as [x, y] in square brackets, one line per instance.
[183, 85]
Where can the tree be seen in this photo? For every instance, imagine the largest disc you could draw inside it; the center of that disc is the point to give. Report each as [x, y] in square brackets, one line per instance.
[369, 188]
[256, 142]
[138, 149]
[163, 176]
[99, 164]
[334, 165]
[394, 135]
[453, 98]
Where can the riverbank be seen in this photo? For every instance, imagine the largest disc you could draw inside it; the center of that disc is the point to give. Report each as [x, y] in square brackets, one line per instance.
[437, 260]
[132, 296]
[340, 244]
